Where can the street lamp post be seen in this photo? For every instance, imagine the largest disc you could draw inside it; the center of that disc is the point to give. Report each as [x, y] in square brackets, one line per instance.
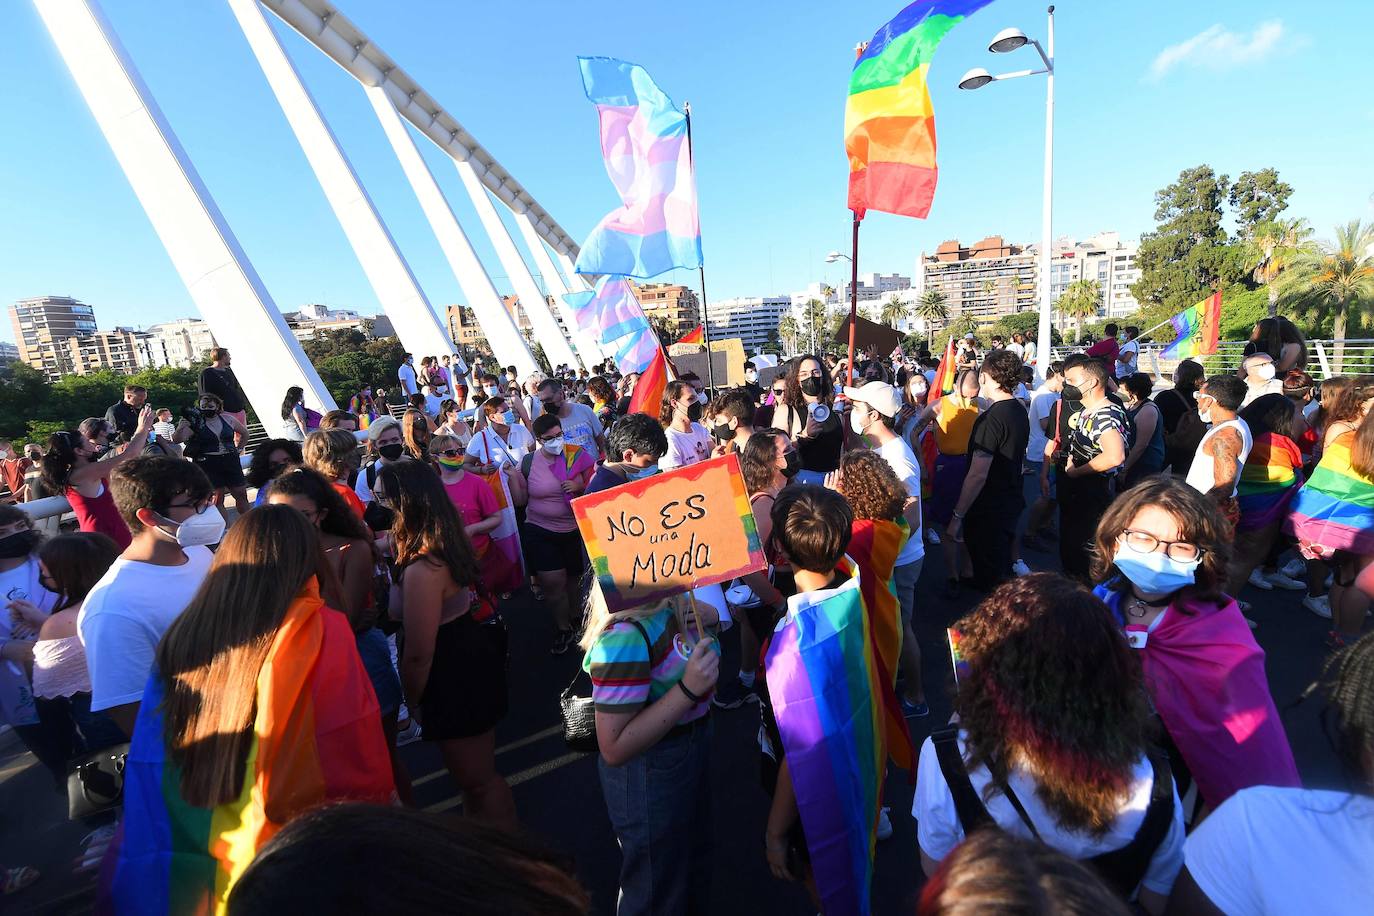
[831, 258]
[1004, 42]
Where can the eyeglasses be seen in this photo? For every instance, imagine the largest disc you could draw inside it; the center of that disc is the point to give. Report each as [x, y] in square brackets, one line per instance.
[779, 392]
[1144, 542]
[557, 435]
[199, 508]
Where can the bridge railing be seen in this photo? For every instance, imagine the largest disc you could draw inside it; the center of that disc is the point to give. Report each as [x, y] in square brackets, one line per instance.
[1355, 357]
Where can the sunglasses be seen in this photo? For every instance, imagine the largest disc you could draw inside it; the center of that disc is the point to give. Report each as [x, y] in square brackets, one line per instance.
[451, 453]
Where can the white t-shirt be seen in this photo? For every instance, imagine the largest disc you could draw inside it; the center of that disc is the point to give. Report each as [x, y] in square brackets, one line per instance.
[124, 617]
[432, 405]
[686, 448]
[406, 376]
[1041, 405]
[16, 696]
[581, 427]
[489, 447]
[903, 461]
[1133, 348]
[938, 830]
[1017, 349]
[1272, 850]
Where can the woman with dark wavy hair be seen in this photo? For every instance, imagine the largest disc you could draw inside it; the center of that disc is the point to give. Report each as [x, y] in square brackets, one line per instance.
[1161, 561]
[1051, 742]
[807, 414]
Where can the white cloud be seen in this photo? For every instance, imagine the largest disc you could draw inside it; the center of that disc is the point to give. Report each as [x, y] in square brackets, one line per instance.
[1217, 48]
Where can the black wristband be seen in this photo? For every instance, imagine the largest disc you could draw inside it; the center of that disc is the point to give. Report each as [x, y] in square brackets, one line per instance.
[691, 696]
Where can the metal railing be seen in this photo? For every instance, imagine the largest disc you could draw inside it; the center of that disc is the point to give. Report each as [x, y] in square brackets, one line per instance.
[1356, 358]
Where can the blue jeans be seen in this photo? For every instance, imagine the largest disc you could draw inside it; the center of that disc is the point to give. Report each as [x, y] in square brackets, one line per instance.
[660, 808]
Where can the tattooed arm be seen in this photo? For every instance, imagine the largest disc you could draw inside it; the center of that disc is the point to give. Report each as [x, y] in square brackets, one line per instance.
[1224, 448]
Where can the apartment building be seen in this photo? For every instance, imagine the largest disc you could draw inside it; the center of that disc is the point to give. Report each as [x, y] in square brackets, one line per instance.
[1104, 258]
[121, 350]
[983, 281]
[674, 304]
[876, 286]
[181, 343]
[43, 325]
[753, 319]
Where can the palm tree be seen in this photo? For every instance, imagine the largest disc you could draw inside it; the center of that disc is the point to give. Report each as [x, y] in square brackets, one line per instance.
[1271, 249]
[787, 328]
[892, 311]
[1336, 275]
[813, 321]
[931, 309]
[1078, 301]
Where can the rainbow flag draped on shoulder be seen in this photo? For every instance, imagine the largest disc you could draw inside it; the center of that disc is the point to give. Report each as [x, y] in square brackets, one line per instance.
[889, 122]
[1195, 330]
[317, 738]
[824, 681]
[1335, 509]
[1271, 474]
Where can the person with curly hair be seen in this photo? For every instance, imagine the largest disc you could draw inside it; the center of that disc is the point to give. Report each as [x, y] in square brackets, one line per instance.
[1068, 762]
[1161, 558]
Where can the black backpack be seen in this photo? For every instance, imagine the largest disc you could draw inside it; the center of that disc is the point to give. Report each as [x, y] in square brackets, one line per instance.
[1121, 868]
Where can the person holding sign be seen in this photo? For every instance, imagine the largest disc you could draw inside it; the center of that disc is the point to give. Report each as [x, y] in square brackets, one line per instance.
[653, 669]
[553, 548]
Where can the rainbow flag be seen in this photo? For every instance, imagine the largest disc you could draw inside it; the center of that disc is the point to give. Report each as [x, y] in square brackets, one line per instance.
[1195, 330]
[644, 144]
[362, 410]
[824, 682]
[944, 376]
[1335, 509]
[889, 123]
[317, 738]
[1271, 474]
[695, 336]
[874, 545]
[647, 396]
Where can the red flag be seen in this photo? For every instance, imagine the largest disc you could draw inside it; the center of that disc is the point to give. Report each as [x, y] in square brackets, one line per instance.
[944, 376]
[695, 336]
[648, 394]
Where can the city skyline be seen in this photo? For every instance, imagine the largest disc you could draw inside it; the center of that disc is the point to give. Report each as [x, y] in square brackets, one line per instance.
[1130, 115]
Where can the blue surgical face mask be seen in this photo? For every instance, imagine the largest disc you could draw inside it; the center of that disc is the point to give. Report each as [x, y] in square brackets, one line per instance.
[1154, 573]
[633, 473]
[508, 418]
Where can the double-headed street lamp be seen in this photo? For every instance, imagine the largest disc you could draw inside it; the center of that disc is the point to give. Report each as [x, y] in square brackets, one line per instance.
[1004, 42]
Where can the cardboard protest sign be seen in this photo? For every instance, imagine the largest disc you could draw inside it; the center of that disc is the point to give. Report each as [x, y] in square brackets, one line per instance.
[653, 538]
[868, 334]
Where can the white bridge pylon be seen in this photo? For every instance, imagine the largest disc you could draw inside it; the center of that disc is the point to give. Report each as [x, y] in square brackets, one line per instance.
[218, 273]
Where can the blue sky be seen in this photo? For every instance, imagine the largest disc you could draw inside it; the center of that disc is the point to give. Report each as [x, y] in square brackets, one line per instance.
[1144, 89]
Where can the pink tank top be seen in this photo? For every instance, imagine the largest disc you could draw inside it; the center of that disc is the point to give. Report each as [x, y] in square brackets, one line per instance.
[98, 513]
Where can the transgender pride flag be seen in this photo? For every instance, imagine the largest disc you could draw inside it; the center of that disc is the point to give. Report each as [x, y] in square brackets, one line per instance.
[644, 143]
[612, 314]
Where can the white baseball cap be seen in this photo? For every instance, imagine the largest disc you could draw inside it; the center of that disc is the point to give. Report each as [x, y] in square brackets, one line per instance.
[881, 396]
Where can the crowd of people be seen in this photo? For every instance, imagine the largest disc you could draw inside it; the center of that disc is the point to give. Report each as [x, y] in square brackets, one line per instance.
[254, 647]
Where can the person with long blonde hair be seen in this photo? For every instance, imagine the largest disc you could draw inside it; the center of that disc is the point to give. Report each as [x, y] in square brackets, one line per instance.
[257, 710]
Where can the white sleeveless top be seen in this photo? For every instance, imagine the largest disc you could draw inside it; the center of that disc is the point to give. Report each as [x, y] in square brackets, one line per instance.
[59, 668]
[1201, 474]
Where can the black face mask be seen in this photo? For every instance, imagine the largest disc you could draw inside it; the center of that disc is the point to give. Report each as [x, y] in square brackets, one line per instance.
[19, 544]
[1071, 393]
[722, 432]
[392, 451]
[811, 387]
[694, 411]
[793, 464]
[378, 517]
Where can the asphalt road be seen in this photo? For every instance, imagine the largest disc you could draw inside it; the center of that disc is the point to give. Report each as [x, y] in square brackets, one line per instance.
[559, 797]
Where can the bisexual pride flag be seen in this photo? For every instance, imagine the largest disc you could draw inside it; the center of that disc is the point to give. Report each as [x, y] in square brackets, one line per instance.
[644, 144]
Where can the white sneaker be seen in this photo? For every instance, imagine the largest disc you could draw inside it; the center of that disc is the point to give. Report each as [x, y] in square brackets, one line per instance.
[1020, 568]
[1295, 568]
[408, 735]
[1258, 581]
[1283, 580]
[1319, 605]
[932, 536]
[884, 825]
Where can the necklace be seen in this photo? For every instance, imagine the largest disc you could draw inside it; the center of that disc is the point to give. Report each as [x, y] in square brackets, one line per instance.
[1140, 607]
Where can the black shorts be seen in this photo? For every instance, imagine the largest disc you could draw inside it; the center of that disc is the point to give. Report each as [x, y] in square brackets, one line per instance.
[550, 551]
[225, 471]
[465, 695]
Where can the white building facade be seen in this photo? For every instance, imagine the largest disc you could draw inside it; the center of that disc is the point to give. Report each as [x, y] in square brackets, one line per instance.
[1104, 258]
[181, 343]
[753, 319]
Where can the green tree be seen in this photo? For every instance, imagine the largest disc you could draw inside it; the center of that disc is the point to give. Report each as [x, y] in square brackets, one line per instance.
[865, 312]
[1080, 300]
[1333, 277]
[1271, 248]
[1188, 255]
[964, 324]
[812, 323]
[1257, 198]
[787, 327]
[893, 311]
[931, 308]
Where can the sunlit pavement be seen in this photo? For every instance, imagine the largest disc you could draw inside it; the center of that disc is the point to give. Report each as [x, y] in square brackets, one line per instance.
[559, 796]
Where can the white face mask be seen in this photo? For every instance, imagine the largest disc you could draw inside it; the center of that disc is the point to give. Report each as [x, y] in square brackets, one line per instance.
[751, 376]
[1265, 371]
[553, 446]
[1205, 416]
[201, 530]
[858, 423]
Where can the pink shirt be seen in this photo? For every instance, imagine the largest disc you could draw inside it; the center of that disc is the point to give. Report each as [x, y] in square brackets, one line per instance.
[475, 502]
[549, 507]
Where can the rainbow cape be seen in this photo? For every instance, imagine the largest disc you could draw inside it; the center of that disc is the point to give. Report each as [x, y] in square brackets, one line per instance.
[1268, 479]
[889, 123]
[1335, 509]
[874, 545]
[1195, 330]
[317, 738]
[825, 684]
[362, 410]
[648, 158]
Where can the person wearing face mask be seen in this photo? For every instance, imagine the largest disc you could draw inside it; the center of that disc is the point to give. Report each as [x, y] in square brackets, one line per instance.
[751, 381]
[210, 443]
[72, 468]
[554, 476]
[494, 454]
[732, 420]
[405, 374]
[950, 418]
[1257, 371]
[1128, 355]
[1161, 559]
[1215, 471]
[1183, 430]
[688, 441]
[808, 416]
[385, 445]
[1146, 458]
[167, 504]
[25, 602]
[579, 422]
[638, 441]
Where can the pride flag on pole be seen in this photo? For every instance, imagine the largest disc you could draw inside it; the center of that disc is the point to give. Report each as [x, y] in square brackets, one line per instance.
[644, 143]
[1196, 329]
[944, 376]
[889, 123]
[649, 387]
[611, 313]
[825, 684]
[695, 336]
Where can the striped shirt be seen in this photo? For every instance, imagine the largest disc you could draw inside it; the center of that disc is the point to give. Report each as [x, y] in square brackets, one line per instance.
[623, 678]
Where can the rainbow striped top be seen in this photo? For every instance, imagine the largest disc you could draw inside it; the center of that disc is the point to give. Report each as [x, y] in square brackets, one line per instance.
[1272, 473]
[1335, 510]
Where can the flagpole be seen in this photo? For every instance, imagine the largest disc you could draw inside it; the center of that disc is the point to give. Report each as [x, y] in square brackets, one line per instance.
[701, 267]
[853, 298]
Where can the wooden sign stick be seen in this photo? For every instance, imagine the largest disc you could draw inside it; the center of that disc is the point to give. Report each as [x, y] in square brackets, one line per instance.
[696, 615]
